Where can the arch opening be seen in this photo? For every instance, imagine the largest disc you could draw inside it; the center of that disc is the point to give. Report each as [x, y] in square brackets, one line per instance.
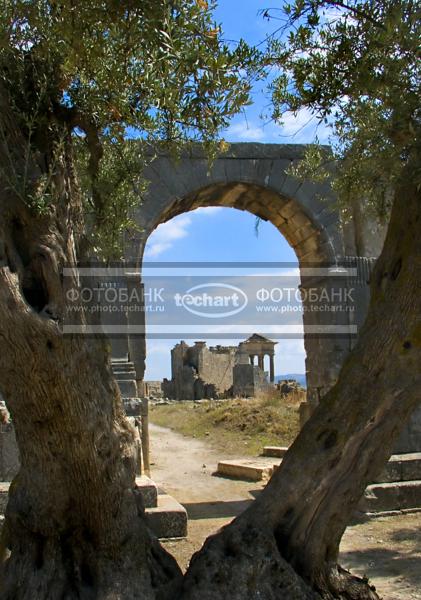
[201, 372]
[302, 221]
[228, 236]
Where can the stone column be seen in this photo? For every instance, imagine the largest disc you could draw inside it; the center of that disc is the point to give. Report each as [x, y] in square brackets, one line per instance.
[271, 368]
[260, 361]
[252, 359]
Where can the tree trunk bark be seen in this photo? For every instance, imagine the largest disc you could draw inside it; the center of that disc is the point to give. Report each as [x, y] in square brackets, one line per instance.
[301, 515]
[75, 526]
[74, 522]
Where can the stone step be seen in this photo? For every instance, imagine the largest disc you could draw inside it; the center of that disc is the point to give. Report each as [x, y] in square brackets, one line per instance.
[386, 497]
[168, 519]
[121, 361]
[122, 367]
[401, 467]
[148, 491]
[275, 451]
[125, 375]
[128, 389]
[248, 469]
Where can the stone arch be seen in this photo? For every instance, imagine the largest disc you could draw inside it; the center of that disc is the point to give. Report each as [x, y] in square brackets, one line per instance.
[308, 238]
[250, 177]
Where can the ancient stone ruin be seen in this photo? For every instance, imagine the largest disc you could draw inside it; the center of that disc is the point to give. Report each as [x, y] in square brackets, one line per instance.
[200, 372]
[255, 178]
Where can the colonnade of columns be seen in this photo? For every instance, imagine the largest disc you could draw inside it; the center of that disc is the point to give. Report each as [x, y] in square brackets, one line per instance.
[261, 361]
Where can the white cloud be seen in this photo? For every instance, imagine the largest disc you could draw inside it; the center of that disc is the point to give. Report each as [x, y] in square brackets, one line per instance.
[293, 123]
[208, 210]
[245, 132]
[303, 127]
[165, 235]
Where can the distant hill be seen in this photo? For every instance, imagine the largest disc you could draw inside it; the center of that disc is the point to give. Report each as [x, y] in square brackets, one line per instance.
[300, 377]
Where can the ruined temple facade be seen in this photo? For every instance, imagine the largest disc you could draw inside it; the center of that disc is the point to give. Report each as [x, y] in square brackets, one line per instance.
[259, 346]
[218, 371]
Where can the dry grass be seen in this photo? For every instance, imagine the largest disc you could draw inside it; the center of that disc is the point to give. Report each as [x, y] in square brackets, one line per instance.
[237, 426]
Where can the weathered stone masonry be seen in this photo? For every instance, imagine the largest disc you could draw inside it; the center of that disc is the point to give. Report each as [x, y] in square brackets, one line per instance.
[254, 177]
[219, 371]
[200, 372]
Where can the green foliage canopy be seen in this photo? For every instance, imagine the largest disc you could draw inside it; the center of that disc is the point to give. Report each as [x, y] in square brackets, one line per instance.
[356, 66]
[108, 69]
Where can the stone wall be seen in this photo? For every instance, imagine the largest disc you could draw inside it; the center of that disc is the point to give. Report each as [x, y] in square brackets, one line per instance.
[215, 365]
[248, 380]
[200, 372]
[153, 389]
[410, 438]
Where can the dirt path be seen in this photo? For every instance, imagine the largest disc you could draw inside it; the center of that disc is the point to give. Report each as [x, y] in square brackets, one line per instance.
[387, 549]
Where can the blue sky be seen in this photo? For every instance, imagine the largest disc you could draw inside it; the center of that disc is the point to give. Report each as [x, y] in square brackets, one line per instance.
[241, 19]
[224, 234]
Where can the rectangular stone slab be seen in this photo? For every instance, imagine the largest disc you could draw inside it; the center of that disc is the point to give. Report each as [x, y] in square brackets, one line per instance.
[401, 467]
[247, 469]
[148, 491]
[168, 519]
[385, 497]
[275, 451]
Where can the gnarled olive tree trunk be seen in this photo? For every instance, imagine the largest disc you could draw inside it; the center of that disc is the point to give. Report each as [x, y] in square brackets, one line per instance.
[301, 515]
[74, 524]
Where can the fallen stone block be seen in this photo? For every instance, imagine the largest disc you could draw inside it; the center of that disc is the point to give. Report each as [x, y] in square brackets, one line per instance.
[168, 519]
[275, 451]
[148, 491]
[411, 466]
[4, 494]
[247, 469]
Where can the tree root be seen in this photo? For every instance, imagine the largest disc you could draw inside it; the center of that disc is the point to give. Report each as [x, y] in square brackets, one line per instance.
[242, 561]
[343, 585]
